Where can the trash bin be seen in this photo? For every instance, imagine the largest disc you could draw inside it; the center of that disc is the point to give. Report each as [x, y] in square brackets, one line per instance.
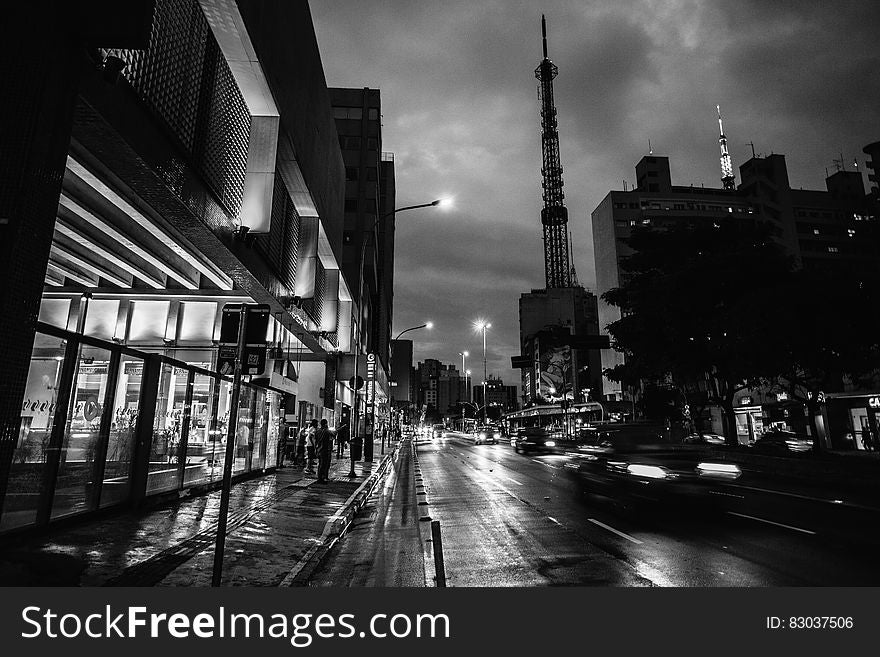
[356, 445]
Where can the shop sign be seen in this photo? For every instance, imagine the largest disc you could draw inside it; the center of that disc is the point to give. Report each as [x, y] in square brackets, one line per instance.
[874, 402]
[782, 396]
[371, 380]
[745, 401]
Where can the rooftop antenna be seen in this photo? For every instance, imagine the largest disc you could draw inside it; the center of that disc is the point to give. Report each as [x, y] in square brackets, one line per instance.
[650, 148]
[727, 177]
[752, 144]
[574, 276]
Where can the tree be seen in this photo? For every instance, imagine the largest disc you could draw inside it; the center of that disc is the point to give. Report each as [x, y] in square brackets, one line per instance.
[687, 304]
[827, 332]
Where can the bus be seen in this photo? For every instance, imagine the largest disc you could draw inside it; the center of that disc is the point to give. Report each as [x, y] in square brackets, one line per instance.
[554, 417]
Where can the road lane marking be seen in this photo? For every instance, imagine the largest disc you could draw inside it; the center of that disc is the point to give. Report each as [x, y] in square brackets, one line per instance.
[770, 522]
[614, 531]
[555, 467]
[551, 519]
[803, 497]
[511, 479]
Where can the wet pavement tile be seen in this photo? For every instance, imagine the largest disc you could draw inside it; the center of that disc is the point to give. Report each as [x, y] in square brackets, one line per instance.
[273, 520]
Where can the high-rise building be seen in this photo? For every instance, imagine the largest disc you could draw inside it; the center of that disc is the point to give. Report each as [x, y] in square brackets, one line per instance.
[368, 229]
[502, 397]
[829, 229]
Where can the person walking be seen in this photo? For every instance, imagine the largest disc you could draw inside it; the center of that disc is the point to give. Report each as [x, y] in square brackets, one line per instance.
[341, 439]
[310, 446]
[324, 447]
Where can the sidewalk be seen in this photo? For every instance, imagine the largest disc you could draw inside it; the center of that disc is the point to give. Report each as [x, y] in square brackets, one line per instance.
[274, 521]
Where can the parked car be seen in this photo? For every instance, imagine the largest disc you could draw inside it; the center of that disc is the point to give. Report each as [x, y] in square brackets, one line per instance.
[635, 465]
[486, 434]
[782, 443]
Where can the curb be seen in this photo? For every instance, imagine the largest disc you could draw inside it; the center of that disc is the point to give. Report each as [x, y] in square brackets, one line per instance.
[336, 526]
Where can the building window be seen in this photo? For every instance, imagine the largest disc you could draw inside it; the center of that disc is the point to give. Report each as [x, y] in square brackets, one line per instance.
[372, 144]
[373, 114]
[372, 175]
[833, 249]
[351, 173]
[351, 205]
[816, 231]
[347, 113]
[851, 232]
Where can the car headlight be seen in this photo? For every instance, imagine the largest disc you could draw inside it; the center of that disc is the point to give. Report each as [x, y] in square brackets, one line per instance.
[725, 470]
[497, 435]
[647, 471]
[482, 436]
[550, 443]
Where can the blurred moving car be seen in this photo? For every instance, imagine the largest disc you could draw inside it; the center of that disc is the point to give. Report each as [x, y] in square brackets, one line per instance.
[639, 464]
[782, 443]
[536, 440]
[487, 434]
[438, 430]
[704, 439]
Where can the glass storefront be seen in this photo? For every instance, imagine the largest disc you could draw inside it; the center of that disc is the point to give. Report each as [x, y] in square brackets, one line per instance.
[168, 428]
[120, 448]
[39, 409]
[78, 466]
[85, 403]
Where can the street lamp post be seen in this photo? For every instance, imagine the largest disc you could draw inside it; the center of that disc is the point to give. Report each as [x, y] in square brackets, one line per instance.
[463, 354]
[484, 326]
[360, 297]
[427, 325]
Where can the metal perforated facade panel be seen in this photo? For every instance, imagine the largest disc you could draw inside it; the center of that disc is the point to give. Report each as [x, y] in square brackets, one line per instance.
[184, 78]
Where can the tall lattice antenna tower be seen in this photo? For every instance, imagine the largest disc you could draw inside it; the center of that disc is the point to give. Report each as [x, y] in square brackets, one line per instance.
[554, 216]
[727, 177]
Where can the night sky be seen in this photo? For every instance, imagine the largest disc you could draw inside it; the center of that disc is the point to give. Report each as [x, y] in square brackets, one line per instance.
[460, 114]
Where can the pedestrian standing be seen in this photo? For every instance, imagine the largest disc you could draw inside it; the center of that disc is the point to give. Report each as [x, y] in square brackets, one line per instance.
[324, 446]
[300, 458]
[310, 446]
[341, 439]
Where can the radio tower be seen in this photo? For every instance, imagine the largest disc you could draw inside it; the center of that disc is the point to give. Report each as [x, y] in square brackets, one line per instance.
[727, 177]
[554, 216]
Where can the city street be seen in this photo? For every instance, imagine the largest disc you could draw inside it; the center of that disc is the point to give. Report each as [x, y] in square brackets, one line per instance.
[513, 520]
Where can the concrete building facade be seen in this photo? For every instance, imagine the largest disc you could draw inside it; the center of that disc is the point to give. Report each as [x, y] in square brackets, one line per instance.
[186, 158]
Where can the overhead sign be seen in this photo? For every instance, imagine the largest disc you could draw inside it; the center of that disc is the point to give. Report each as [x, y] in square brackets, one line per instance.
[874, 402]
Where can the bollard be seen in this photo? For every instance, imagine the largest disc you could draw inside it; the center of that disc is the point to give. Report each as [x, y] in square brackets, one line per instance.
[439, 569]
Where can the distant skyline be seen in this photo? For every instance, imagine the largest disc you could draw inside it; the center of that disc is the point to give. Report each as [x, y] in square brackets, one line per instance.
[461, 115]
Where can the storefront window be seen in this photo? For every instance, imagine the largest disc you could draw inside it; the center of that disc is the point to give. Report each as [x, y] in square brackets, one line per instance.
[27, 469]
[76, 473]
[261, 421]
[215, 451]
[273, 404]
[244, 431]
[202, 441]
[120, 446]
[167, 429]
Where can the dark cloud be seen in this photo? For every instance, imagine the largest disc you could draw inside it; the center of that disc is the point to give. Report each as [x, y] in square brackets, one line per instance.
[460, 113]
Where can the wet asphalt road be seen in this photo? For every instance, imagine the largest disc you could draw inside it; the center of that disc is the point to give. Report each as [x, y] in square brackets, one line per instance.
[514, 520]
